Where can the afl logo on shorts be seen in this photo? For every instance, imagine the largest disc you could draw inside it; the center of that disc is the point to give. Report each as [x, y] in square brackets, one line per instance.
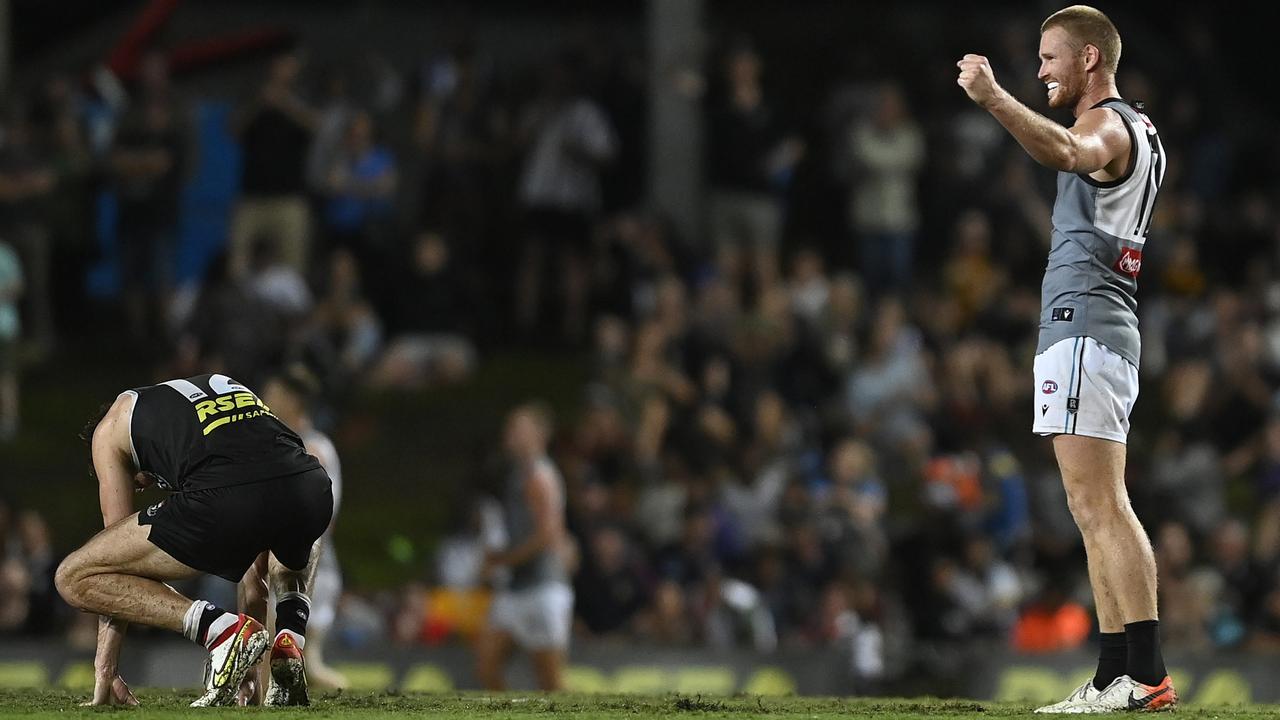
[151, 511]
[1049, 387]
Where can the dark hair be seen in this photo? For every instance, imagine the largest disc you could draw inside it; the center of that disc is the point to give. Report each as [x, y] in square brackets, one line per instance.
[91, 426]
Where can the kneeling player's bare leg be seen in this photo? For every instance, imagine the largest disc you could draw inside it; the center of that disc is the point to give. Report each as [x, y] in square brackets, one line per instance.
[293, 608]
[120, 574]
[292, 590]
[547, 668]
[1122, 565]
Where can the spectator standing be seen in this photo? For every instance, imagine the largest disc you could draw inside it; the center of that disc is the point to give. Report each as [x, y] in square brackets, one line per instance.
[25, 181]
[359, 190]
[147, 164]
[887, 152]
[429, 320]
[570, 141]
[750, 159]
[275, 132]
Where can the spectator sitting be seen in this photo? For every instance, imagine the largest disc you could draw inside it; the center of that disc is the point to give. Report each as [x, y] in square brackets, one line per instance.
[345, 325]
[35, 552]
[889, 392]
[1244, 582]
[1184, 608]
[972, 277]
[279, 284]
[214, 333]
[430, 320]
[611, 586]
[809, 287]
[1052, 623]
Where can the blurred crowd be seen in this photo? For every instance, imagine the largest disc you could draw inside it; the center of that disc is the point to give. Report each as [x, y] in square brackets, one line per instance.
[806, 425]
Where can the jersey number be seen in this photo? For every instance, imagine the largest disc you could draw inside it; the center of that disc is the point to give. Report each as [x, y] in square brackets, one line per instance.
[1155, 174]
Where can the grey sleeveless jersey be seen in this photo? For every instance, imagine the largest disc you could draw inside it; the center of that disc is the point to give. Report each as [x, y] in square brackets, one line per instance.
[546, 566]
[1099, 229]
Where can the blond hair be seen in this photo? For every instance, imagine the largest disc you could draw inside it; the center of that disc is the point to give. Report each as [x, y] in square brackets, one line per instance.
[1089, 26]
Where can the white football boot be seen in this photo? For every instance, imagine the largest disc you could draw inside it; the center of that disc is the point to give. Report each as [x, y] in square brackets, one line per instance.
[232, 656]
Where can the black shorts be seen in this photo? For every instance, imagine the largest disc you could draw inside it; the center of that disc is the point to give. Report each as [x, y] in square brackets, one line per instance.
[221, 531]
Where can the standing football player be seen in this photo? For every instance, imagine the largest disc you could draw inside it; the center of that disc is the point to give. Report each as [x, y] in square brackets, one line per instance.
[534, 609]
[1110, 164]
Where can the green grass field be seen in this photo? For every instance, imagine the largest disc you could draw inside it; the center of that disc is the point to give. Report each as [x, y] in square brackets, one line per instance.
[33, 704]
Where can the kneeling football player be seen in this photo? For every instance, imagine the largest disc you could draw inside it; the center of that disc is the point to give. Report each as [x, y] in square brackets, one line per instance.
[242, 484]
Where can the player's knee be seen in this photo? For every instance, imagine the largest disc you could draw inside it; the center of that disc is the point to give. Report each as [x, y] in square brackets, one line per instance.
[1091, 510]
[67, 579]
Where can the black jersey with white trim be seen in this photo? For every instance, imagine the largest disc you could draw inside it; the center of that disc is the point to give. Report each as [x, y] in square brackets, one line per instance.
[209, 431]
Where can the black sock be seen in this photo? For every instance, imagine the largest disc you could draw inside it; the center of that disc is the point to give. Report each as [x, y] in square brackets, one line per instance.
[1145, 663]
[1112, 659]
[292, 612]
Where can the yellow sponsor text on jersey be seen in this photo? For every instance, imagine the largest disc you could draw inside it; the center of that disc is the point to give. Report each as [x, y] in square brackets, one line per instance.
[222, 409]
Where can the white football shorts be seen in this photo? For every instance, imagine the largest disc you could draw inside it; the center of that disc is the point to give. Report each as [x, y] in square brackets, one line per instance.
[1083, 388]
[538, 618]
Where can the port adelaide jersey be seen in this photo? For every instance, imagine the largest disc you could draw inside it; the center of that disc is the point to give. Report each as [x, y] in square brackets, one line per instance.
[1099, 230]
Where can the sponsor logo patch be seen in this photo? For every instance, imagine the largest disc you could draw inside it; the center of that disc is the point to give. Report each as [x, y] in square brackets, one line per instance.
[1049, 387]
[1130, 262]
[1044, 410]
[1063, 314]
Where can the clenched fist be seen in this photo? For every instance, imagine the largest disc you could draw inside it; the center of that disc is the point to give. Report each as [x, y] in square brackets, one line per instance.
[978, 81]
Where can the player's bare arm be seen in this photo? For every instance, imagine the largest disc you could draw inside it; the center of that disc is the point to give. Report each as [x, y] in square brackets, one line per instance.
[113, 464]
[1097, 142]
[114, 469]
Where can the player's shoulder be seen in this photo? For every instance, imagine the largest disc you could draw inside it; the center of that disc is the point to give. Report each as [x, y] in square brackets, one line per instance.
[123, 405]
[116, 420]
[1105, 113]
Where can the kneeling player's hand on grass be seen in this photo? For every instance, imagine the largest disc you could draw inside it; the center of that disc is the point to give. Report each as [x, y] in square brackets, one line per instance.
[113, 691]
[248, 693]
